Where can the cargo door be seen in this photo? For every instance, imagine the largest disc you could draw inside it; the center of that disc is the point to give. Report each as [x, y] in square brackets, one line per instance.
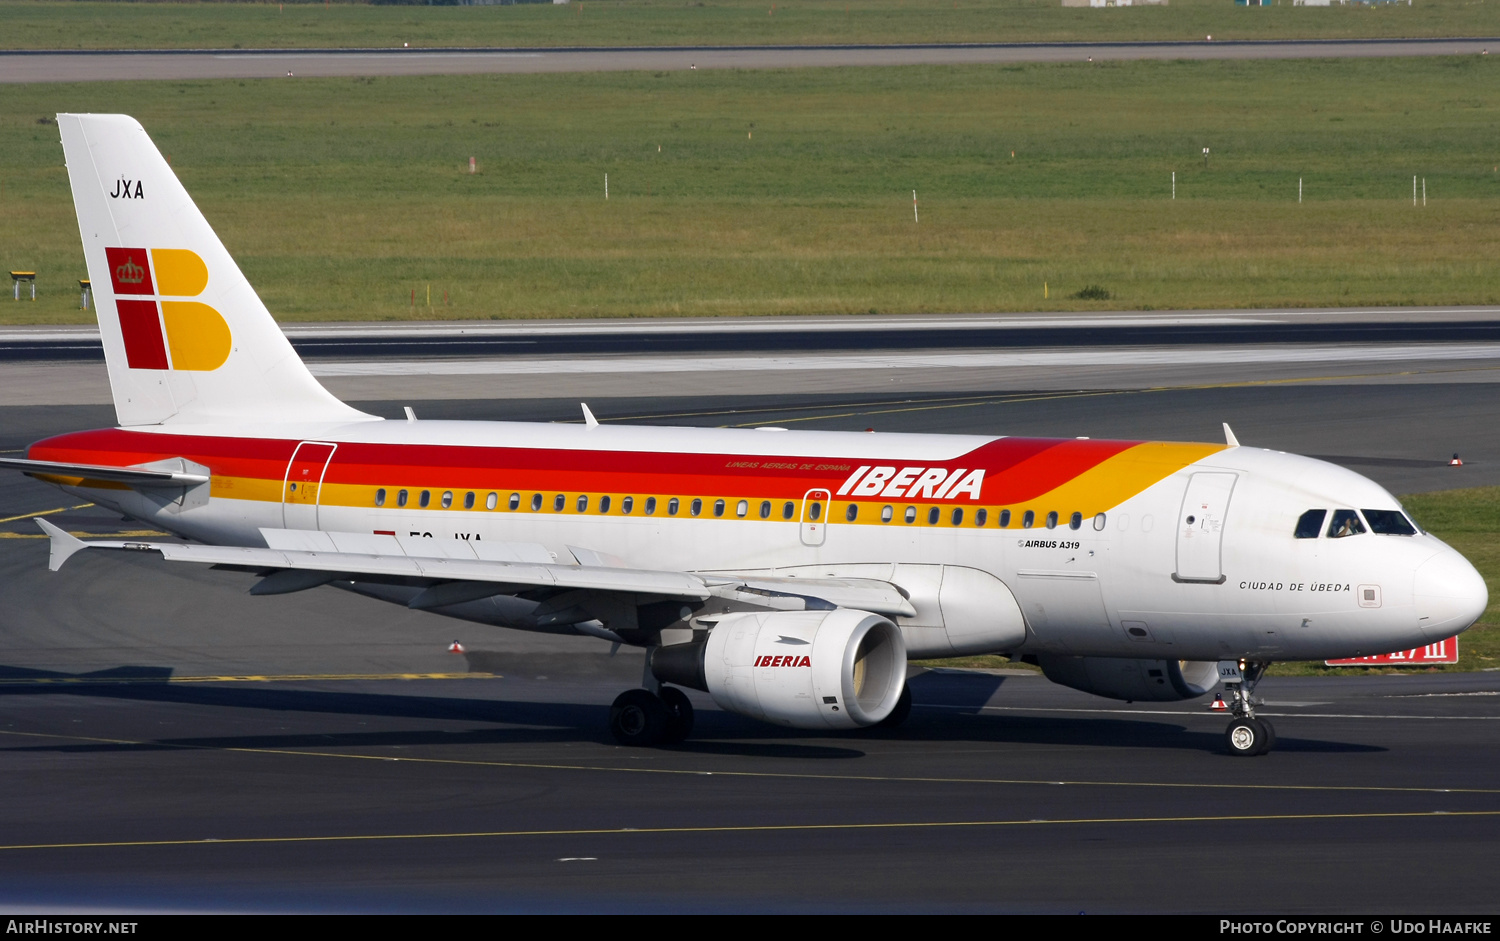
[815, 517]
[1200, 528]
[302, 488]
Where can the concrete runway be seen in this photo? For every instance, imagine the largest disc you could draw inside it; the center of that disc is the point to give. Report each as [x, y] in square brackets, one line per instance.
[102, 66]
[176, 744]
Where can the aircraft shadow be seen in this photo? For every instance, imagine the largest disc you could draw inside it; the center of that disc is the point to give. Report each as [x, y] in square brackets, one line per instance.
[946, 710]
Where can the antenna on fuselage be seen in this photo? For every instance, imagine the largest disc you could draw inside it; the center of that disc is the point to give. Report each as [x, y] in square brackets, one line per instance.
[1229, 437]
[588, 416]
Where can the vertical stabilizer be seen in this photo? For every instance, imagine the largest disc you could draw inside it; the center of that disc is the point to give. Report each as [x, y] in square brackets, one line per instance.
[185, 337]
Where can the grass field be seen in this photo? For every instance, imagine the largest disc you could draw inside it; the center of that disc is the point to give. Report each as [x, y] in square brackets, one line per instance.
[790, 191]
[1468, 520]
[67, 24]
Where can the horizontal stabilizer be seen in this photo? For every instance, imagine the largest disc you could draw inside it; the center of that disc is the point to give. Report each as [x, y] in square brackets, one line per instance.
[63, 544]
[133, 476]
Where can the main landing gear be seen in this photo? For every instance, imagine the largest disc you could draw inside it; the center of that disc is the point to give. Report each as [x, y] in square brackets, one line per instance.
[1247, 735]
[640, 717]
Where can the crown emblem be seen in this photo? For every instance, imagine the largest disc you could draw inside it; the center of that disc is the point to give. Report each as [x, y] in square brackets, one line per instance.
[130, 273]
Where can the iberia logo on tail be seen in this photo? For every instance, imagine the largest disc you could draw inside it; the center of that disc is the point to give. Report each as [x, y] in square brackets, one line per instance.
[162, 329]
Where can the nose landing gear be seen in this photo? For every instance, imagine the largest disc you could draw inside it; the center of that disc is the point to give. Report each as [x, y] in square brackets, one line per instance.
[1247, 735]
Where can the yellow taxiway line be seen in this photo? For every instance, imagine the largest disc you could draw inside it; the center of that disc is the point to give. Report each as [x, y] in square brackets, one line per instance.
[776, 775]
[756, 828]
[245, 678]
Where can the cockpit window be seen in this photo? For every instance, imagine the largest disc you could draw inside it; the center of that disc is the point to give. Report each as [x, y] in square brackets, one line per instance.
[1309, 524]
[1389, 522]
[1344, 523]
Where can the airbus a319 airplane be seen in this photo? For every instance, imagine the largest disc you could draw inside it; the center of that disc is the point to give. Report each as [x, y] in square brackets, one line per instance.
[788, 574]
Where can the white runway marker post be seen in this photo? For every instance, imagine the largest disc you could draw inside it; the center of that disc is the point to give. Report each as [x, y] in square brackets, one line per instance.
[1174, 184]
[914, 218]
[606, 186]
[1424, 192]
[1299, 190]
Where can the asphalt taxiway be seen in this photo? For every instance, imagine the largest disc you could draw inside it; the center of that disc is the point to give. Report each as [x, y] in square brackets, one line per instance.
[116, 65]
[176, 744]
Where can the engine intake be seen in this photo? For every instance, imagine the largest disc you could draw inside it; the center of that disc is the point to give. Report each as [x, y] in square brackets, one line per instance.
[1132, 680]
[838, 669]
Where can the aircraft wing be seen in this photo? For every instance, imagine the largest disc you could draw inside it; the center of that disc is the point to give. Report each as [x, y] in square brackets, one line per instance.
[132, 476]
[455, 570]
[317, 558]
[864, 594]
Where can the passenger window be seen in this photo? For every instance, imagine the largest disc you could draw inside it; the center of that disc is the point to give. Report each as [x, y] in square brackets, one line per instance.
[425, 498]
[852, 512]
[1344, 523]
[697, 507]
[765, 509]
[469, 500]
[536, 502]
[491, 501]
[447, 499]
[980, 516]
[741, 508]
[583, 503]
[718, 508]
[1309, 524]
[932, 516]
[401, 498]
[515, 501]
[380, 497]
[672, 506]
[650, 505]
[1389, 522]
[1099, 522]
[1027, 519]
[788, 510]
[887, 513]
[1005, 519]
[1075, 521]
[558, 502]
[627, 504]
[604, 504]
[911, 514]
[1052, 520]
[958, 516]
[815, 511]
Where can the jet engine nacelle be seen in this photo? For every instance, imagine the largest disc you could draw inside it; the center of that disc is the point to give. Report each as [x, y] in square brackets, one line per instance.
[1132, 680]
[838, 669]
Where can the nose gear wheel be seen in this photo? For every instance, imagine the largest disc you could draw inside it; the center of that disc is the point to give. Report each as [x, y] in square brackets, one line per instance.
[1247, 736]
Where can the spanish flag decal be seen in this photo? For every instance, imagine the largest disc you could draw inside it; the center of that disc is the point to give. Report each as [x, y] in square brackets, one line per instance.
[162, 328]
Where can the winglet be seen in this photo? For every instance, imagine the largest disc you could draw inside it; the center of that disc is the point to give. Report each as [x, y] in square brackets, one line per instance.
[588, 416]
[64, 544]
[1229, 437]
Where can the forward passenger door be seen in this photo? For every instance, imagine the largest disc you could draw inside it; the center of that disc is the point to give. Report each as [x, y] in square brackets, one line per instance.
[1200, 528]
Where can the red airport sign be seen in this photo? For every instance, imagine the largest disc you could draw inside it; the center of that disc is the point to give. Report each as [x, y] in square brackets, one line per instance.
[1444, 651]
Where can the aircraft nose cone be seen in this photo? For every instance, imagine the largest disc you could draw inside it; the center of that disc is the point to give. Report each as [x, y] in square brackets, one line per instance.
[1450, 595]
